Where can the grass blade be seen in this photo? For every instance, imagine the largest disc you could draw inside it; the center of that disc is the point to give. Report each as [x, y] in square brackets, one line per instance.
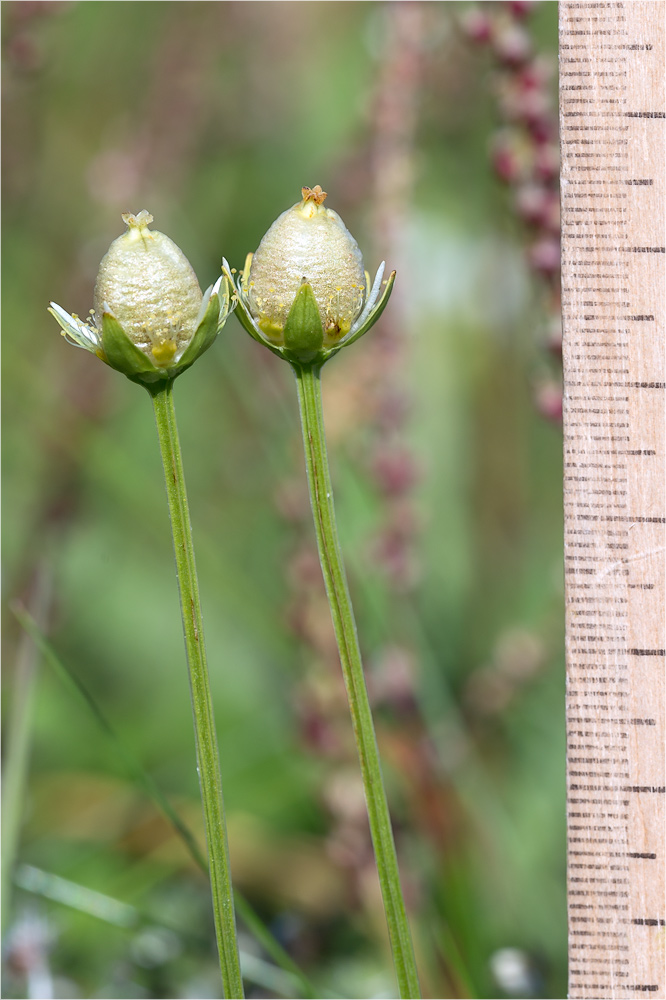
[142, 778]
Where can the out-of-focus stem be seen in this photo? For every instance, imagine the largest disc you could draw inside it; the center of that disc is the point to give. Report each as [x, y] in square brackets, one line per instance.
[145, 781]
[321, 497]
[17, 751]
[204, 723]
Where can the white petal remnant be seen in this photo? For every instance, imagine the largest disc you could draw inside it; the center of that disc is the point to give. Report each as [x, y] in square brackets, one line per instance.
[373, 295]
[309, 243]
[148, 284]
[75, 331]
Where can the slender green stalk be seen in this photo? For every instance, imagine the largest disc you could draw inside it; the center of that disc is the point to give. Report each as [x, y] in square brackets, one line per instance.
[204, 723]
[321, 497]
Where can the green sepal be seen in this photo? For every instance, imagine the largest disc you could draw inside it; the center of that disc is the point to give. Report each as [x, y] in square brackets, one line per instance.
[371, 319]
[203, 338]
[121, 354]
[303, 331]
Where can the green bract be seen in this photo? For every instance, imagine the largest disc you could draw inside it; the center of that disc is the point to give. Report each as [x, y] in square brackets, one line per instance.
[304, 294]
[151, 320]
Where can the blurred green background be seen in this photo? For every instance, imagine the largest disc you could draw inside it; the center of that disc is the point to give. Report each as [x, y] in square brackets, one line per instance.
[448, 487]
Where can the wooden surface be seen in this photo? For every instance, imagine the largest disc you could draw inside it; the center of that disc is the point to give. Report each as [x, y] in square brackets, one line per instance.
[612, 134]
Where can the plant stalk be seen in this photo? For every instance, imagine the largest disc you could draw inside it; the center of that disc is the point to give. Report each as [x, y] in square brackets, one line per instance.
[208, 764]
[308, 381]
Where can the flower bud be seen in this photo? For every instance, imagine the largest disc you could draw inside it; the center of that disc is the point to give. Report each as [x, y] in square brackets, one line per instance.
[548, 400]
[513, 46]
[305, 293]
[150, 319]
[553, 338]
[520, 8]
[507, 156]
[477, 26]
[547, 162]
[544, 255]
[308, 243]
[148, 284]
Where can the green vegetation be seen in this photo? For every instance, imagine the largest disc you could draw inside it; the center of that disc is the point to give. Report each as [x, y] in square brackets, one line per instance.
[448, 496]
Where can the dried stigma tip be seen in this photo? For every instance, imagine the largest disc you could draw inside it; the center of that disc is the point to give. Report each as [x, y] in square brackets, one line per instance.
[314, 194]
[140, 221]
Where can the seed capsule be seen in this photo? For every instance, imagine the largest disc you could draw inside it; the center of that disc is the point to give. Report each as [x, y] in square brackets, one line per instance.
[308, 243]
[151, 321]
[148, 284]
[305, 294]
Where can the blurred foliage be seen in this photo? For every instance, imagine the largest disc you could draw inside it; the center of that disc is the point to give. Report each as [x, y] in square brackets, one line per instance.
[212, 116]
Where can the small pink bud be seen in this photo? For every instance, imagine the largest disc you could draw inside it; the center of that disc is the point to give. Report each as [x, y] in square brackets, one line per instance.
[504, 158]
[513, 46]
[317, 732]
[547, 162]
[533, 75]
[477, 26]
[25, 53]
[532, 203]
[395, 471]
[532, 108]
[520, 8]
[554, 337]
[392, 681]
[542, 127]
[544, 255]
[539, 206]
[551, 219]
[392, 408]
[548, 401]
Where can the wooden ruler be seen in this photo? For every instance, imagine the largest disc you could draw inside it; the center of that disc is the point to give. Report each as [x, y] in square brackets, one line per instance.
[613, 271]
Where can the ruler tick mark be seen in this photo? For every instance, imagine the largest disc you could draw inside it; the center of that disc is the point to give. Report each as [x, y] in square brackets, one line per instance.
[611, 90]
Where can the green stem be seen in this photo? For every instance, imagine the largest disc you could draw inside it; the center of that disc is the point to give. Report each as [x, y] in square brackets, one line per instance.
[321, 497]
[204, 724]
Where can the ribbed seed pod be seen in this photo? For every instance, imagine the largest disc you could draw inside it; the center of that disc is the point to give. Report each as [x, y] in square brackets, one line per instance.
[308, 243]
[148, 284]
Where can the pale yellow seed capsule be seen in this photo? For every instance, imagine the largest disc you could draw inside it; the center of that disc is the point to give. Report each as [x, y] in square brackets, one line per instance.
[148, 284]
[312, 242]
